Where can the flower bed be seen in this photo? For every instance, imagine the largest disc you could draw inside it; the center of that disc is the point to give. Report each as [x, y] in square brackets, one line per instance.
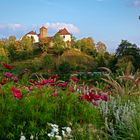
[54, 109]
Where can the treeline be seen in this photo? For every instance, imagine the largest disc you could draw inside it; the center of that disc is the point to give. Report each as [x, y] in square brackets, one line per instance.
[81, 54]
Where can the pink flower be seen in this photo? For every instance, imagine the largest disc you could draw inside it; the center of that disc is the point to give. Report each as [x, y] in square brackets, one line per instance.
[15, 79]
[104, 97]
[8, 75]
[95, 103]
[7, 66]
[17, 93]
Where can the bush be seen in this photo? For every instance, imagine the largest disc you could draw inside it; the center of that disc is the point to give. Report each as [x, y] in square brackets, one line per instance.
[64, 70]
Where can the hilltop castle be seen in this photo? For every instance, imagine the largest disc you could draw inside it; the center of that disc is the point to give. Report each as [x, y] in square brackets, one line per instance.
[44, 34]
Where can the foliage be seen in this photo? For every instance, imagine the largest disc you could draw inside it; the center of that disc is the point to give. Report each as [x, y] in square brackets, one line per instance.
[27, 107]
[86, 45]
[78, 60]
[58, 45]
[40, 107]
[101, 47]
[64, 70]
[121, 118]
[128, 52]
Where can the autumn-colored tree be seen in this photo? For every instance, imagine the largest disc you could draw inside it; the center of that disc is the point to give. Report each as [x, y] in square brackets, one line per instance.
[101, 47]
[86, 45]
[27, 44]
[44, 44]
[3, 51]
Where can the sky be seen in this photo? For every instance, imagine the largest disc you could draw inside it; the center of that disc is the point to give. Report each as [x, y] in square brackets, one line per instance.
[109, 21]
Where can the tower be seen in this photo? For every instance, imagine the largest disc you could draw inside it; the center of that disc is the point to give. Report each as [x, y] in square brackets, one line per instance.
[43, 32]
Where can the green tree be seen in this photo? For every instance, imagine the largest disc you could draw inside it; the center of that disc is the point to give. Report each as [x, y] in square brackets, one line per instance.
[44, 44]
[124, 45]
[58, 45]
[129, 50]
[86, 45]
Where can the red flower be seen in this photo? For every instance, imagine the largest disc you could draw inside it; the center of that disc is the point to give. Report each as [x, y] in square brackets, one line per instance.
[75, 79]
[7, 66]
[94, 96]
[86, 97]
[54, 77]
[63, 84]
[3, 81]
[17, 93]
[45, 82]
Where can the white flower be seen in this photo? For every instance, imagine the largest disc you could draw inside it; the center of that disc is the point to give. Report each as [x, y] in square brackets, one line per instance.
[22, 138]
[51, 134]
[68, 129]
[31, 137]
[58, 137]
[63, 133]
[55, 130]
[55, 125]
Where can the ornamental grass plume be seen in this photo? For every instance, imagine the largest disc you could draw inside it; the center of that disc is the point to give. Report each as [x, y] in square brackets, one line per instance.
[124, 84]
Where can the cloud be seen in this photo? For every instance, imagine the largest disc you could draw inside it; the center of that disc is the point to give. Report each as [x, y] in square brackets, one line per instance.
[60, 25]
[19, 30]
[12, 29]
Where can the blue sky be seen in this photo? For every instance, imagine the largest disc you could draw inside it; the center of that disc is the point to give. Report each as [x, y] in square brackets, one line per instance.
[108, 21]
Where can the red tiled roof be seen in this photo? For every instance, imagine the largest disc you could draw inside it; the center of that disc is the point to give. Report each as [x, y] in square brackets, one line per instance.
[32, 33]
[63, 32]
